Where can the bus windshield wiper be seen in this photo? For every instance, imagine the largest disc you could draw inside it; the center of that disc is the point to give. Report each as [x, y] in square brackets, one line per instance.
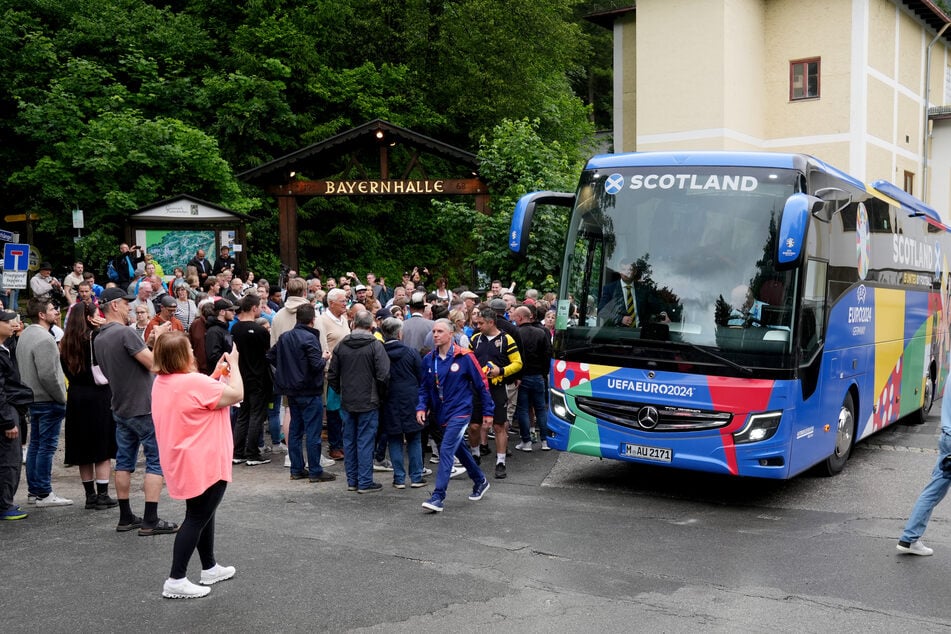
[710, 353]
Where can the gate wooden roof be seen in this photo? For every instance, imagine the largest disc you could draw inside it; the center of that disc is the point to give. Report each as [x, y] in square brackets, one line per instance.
[293, 175]
[314, 158]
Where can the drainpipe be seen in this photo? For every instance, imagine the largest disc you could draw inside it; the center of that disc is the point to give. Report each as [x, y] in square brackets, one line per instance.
[925, 134]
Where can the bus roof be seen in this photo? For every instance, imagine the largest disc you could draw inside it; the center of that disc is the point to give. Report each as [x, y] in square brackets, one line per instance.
[776, 160]
[911, 204]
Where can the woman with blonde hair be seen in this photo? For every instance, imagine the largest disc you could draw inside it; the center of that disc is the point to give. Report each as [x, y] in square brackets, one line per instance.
[458, 319]
[193, 431]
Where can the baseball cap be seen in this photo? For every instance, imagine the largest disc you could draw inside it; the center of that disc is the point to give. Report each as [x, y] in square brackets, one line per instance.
[223, 304]
[168, 301]
[8, 315]
[529, 301]
[497, 305]
[383, 313]
[112, 294]
[360, 287]
[418, 300]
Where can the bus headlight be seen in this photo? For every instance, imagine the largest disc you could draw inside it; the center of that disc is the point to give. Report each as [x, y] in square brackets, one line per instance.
[759, 427]
[559, 406]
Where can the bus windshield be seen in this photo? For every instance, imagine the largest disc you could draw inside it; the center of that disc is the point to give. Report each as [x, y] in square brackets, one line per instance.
[678, 264]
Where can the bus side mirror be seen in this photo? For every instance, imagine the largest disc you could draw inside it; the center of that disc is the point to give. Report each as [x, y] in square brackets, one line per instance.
[525, 209]
[792, 229]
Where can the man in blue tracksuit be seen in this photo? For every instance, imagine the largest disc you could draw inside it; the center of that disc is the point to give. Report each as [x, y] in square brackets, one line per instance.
[449, 375]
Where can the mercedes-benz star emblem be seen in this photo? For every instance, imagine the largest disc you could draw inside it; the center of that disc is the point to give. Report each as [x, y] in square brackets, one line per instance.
[648, 417]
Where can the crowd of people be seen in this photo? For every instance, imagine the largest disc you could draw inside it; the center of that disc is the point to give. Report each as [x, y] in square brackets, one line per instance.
[239, 371]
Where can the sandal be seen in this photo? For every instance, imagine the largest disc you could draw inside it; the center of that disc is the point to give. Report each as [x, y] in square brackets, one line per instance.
[161, 528]
[131, 526]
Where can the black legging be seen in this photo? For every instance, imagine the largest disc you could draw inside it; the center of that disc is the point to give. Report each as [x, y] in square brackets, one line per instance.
[197, 530]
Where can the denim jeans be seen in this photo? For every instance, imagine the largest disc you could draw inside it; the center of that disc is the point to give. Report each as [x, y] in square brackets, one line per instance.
[274, 419]
[46, 420]
[414, 452]
[359, 438]
[130, 433]
[450, 448]
[306, 415]
[334, 429]
[532, 393]
[382, 442]
[932, 494]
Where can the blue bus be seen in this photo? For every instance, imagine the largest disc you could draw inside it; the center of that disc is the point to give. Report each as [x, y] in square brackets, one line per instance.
[752, 314]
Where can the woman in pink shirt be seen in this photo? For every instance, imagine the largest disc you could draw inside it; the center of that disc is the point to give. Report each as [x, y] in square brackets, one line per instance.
[195, 442]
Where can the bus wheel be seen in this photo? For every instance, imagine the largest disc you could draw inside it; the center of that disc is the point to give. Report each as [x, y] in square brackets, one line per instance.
[843, 439]
[927, 403]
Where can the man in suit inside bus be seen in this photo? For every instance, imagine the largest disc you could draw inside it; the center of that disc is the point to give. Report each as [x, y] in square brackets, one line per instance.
[628, 302]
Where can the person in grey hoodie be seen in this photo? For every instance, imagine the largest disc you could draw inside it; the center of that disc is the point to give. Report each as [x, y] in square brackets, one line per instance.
[40, 370]
[286, 318]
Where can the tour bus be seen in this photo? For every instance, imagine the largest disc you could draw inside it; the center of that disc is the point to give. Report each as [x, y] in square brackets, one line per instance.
[752, 314]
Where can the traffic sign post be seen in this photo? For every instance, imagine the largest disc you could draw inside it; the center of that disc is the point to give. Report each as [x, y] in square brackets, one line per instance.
[16, 263]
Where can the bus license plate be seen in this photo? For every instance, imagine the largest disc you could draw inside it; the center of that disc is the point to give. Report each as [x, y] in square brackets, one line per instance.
[657, 454]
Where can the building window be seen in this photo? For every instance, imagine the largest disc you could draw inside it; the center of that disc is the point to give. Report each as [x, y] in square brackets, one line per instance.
[804, 79]
[909, 185]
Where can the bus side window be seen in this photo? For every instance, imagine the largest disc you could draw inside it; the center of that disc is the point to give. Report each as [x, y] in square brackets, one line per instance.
[812, 316]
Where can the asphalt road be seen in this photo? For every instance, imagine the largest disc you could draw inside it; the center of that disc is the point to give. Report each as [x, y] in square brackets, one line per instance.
[567, 543]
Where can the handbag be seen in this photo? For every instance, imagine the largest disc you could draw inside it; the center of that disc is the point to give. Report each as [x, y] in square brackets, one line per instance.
[97, 374]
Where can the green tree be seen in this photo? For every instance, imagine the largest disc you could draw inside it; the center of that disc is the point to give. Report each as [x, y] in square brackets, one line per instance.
[516, 161]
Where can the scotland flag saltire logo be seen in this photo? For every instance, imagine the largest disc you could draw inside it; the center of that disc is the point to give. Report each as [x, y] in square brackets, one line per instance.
[613, 184]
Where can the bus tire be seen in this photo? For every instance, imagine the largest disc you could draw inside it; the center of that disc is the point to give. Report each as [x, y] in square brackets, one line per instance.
[922, 415]
[844, 436]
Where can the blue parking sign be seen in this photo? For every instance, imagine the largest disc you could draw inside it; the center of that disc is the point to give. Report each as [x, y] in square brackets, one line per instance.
[16, 257]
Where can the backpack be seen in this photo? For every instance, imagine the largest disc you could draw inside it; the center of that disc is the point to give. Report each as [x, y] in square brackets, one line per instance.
[111, 271]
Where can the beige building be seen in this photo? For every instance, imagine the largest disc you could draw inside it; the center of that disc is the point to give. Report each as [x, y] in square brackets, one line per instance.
[862, 84]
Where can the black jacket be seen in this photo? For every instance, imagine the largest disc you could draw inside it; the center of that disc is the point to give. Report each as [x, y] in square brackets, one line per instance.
[203, 267]
[224, 263]
[536, 349]
[298, 362]
[14, 395]
[359, 371]
[217, 341]
[398, 412]
[123, 263]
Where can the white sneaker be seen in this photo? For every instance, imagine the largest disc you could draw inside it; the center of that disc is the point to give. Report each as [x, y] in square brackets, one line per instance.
[183, 589]
[326, 462]
[279, 447]
[434, 459]
[427, 471]
[216, 574]
[457, 471]
[24, 454]
[524, 446]
[287, 461]
[545, 446]
[915, 548]
[382, 465]
[52, 500]
[31, 499]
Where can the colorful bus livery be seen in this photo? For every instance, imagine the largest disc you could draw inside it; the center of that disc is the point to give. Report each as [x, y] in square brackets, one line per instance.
[751, 314]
